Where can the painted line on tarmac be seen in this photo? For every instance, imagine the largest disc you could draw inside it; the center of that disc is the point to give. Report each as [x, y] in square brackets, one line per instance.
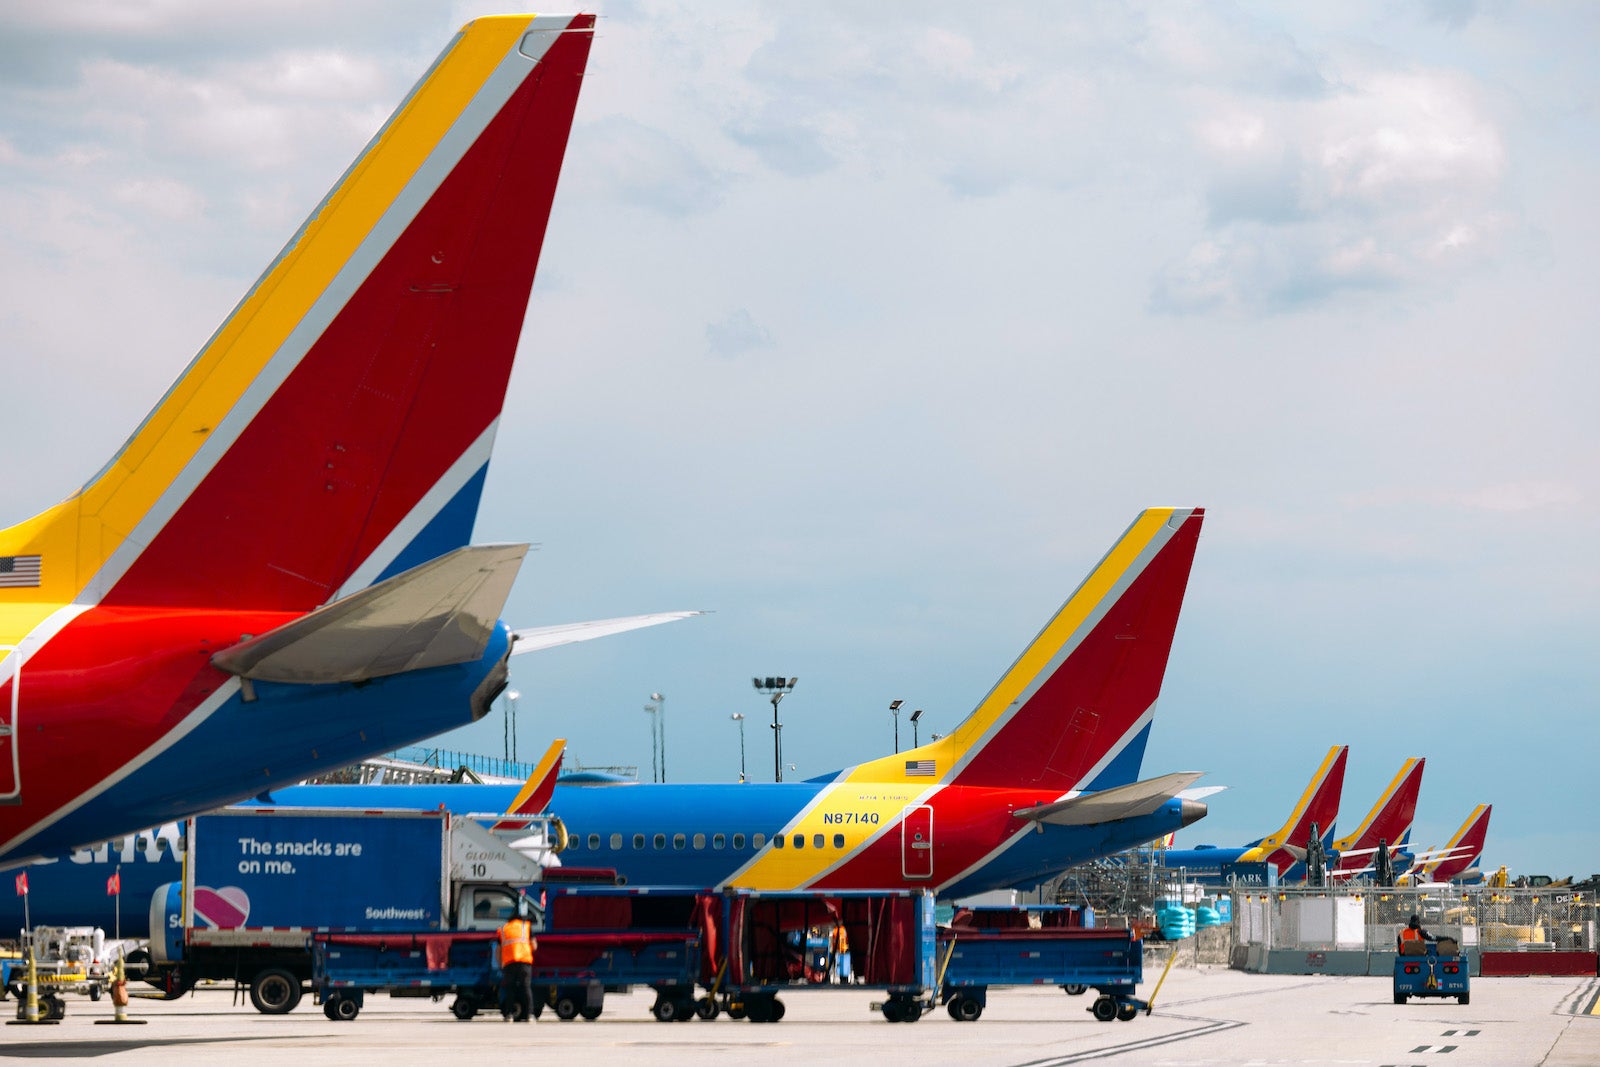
[1209, 1026]
[1585, 1000]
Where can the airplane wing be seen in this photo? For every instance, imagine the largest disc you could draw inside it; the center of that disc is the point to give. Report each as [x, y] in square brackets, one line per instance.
[541, 637]
[1109, 805]
[438, 614]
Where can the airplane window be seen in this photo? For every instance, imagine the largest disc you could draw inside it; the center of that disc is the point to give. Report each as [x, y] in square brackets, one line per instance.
[699, 841]
[777, 842]
[638, 841]
[718, 841]
[679, 841]
[838, 841]
[594, 841]
[575, 842]
[738, 841]
[660, 841]
[616, 842]
[758, 840]
[799, 840]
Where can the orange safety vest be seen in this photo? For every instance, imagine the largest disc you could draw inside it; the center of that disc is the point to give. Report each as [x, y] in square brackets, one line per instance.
[1408, 934]
[516, 942]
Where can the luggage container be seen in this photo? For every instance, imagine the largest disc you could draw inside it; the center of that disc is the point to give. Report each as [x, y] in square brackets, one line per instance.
[986, 947]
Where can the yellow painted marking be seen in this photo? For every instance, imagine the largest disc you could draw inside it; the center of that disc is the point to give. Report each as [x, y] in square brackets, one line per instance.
[791, 868]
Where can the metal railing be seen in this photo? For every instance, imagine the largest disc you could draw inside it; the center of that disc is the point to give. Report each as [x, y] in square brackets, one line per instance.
[1370, 918]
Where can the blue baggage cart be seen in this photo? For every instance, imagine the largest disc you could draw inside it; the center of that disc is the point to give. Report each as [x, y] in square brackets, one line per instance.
[345, 967]
[1439, 971]
[1001, 946]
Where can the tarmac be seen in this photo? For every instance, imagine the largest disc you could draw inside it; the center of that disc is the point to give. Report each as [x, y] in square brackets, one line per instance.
[1206, 1015]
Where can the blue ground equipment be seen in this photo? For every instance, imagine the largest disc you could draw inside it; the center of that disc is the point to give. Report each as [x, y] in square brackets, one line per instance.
[1440, 970]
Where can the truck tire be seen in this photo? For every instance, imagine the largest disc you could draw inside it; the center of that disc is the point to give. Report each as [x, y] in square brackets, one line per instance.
[341, 1008]
[670, 1010]
[706, 1008]
[275, 991]
[590, 1014]
[566, 1008]
[1105, 1009]
[94, 992]
[1399, 998]
[52, 1007]
[136, 965]
[1074, 989]
[464, 1008]
[964, 1009]
[1465, 998]
[1127, 1013]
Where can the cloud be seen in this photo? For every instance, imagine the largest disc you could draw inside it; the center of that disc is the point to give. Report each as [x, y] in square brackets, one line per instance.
[1395, 178]
[640, 165]
[737, 334]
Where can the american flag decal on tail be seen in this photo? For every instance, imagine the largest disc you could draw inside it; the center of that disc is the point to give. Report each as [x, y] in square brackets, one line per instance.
[919, 768]
[19, 572]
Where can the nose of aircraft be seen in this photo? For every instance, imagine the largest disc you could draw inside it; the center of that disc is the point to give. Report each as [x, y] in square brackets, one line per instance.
[1192, 811]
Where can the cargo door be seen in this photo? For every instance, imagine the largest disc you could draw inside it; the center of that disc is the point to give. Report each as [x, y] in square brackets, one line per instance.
[916, 842]
[10, 696]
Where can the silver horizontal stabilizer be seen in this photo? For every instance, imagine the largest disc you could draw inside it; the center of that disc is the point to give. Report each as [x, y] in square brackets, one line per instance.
[435, 615]
[539, 637]
[1122, 802]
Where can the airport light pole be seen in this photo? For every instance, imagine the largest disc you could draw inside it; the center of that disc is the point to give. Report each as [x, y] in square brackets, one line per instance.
[655, 757]
[778, 687]
[738, 717]
[894, 708]
[915, 715]
[661, 725]
[510, 724]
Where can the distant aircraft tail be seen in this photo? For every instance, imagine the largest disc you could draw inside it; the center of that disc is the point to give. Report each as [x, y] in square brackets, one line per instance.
[1318, 805]
[1462, 851]
[337, 428]
[1074, 711]
[535, 794]
[1388, 820]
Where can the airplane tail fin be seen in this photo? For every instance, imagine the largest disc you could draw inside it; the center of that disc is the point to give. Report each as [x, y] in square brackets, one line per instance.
[1074, 710]
[1389, 818]
[1318, 805]
[535, 794]
[1464, 849]
[336, 429]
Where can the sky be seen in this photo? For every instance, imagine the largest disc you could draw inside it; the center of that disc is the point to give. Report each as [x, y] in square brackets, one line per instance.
[869, 329]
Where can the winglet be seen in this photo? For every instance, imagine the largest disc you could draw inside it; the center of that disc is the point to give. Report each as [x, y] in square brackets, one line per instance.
[534, 796]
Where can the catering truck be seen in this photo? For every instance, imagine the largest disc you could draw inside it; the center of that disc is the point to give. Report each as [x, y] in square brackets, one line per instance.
[259, 882]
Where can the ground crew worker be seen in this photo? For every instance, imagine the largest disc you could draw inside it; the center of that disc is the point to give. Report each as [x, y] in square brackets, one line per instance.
[1413, 931]
[841, 954]
[517, 945]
